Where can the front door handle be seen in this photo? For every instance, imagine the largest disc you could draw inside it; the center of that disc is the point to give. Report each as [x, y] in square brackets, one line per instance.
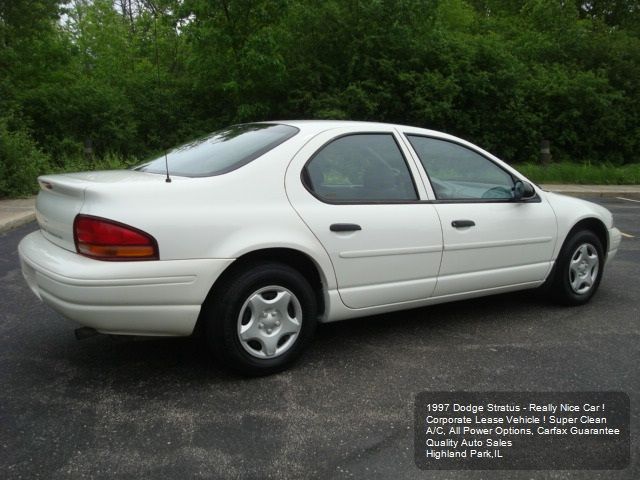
[463, 223]
[345, 227]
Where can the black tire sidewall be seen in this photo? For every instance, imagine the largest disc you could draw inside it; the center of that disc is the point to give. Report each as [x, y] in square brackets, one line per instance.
[561, 288]
[222, 317]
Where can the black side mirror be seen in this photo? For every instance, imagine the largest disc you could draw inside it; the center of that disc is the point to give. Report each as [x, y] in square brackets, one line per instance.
[523, 191]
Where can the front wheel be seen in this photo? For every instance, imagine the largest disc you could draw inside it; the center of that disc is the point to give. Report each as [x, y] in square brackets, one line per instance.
[261, 319]
[578, 269]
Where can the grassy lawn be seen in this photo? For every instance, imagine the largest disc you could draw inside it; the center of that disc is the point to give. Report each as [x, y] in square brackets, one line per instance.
[560, 172]
[582, 173]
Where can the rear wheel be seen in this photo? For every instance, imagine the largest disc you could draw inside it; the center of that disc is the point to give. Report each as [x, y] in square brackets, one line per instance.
[261, 319]
[578, 269]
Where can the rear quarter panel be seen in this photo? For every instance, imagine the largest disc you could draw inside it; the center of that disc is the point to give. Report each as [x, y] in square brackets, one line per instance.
[222, 217]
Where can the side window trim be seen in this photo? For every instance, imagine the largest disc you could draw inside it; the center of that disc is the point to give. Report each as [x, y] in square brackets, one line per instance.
[460, 200]
[430, 194]
[305, 179]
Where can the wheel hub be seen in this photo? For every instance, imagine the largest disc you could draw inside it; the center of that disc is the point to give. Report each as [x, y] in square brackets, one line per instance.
[583, 268]
[269, 322]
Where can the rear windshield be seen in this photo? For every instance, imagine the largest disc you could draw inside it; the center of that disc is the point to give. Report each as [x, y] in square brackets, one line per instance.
[221, 151]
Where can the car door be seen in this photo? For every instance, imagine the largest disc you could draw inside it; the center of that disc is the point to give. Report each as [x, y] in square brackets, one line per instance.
[355, 191]
[490, 240]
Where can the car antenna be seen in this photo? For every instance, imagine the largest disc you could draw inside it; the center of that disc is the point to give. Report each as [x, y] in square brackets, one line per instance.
[155, 38]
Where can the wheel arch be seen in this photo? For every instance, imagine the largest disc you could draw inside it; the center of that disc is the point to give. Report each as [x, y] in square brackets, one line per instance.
[553, 284]
[595, 225]
[293, 258]
[592, 224]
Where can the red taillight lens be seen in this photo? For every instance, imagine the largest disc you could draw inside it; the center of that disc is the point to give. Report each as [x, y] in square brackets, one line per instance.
[104, 239]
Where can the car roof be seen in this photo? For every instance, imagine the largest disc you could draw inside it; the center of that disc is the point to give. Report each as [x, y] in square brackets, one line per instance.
[317, 126]
[321, 125]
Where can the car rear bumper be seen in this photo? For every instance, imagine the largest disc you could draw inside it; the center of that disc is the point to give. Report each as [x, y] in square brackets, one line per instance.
[134, 298]
[614, 243]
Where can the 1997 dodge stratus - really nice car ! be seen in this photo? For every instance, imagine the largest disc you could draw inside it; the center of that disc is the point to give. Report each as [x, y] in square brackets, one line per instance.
[265, 229]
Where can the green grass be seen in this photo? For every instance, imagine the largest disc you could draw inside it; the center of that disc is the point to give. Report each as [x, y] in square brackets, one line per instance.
[560, 172]
[582, 173]
[557, 172]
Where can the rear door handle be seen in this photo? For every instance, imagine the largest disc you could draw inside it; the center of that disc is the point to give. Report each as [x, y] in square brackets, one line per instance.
[345, 227]
[463, 223]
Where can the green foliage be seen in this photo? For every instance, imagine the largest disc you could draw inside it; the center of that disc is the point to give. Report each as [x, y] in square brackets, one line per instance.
[21, 161]
[135, 76]
[583, 173]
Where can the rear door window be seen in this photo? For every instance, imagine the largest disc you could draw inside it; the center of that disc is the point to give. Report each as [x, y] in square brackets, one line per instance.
[367, 167]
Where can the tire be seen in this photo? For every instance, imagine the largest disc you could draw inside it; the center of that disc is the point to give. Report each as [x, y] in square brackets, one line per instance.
[261, 319]
[578, 269]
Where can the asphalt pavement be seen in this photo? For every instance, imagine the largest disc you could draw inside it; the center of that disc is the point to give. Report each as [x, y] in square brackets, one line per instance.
[158, 408]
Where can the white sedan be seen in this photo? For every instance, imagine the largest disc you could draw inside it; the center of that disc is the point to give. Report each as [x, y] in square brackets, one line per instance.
[255, 233]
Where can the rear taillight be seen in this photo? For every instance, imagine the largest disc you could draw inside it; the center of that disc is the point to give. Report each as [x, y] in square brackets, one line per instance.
[104, 239]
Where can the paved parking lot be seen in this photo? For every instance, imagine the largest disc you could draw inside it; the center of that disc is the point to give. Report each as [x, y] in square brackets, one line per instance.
[139, 408]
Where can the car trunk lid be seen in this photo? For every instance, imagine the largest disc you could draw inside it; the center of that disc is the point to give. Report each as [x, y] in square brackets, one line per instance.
[61, 198]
